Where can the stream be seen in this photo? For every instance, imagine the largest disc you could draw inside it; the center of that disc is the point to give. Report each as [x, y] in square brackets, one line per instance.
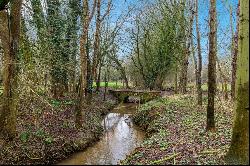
[120, 137]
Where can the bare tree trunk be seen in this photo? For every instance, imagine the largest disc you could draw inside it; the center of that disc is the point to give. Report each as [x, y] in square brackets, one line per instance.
[97, 54]
[89, 88]
[234, 54]
[183, 76]
[223, 81]
[106, 79]
[87, 17]
[195, 67]
[97, 39]
[239, 149]
[83, 77]
[122, 70]
[74, 6]
[139, 66]
[124, 76]
[105, 87]
[225, 91]
[98, 81]
[176, 81]
[9, 34]
[212, 67]
[199, 90]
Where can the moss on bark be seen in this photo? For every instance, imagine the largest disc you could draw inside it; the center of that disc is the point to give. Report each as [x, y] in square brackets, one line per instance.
[239, 149]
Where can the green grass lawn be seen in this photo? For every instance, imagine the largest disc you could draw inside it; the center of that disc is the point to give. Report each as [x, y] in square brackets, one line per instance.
[205, 87]
[219, 86]
[120, 85]
[110, 84]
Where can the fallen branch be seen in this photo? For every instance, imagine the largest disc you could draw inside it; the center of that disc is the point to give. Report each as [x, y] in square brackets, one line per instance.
[164, 159]
[42, 99]
[209, 151]
[33, 158]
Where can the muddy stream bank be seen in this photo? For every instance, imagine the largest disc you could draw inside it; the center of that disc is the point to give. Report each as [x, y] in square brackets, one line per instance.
[120, 137]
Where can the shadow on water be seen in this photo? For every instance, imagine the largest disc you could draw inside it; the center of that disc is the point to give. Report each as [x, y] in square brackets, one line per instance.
[120, 137]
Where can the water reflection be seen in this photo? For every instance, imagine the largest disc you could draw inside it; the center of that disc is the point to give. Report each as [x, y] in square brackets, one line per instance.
[120, 138]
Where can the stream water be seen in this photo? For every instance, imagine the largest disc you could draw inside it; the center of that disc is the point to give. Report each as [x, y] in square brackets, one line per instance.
[120, 137]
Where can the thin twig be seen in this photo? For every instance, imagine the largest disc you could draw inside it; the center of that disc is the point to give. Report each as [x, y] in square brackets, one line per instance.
[209, 151]
[45, 101]
[165, 159]
[32, 158]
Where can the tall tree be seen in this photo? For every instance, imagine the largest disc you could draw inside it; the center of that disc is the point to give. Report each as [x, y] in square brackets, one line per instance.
[158, 34]
[43, 47]
[72, 39]
[108, 46]
[234, 51]
[239, 149]
[119, 66]
[59, 57]
[99, 20]
[212, 66]
[199, 66]
[41, 53]
[86, 19]
[189, 42]
[96, 52]
[39, 19]
[26, 55]
[186, 51]
[9, 35]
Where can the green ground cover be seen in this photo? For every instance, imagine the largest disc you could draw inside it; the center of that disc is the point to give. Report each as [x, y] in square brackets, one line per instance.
[176, 132]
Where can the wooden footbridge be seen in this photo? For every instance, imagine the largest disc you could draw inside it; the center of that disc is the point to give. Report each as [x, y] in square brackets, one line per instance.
[123, 94]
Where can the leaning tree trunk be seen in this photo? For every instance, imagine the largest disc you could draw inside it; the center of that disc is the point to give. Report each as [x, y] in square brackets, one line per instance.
[10, 41]
[239, 149]
[212, 67]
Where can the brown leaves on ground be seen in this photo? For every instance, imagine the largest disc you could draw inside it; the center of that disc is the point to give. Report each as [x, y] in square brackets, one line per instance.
[177, 134]
[47, 132]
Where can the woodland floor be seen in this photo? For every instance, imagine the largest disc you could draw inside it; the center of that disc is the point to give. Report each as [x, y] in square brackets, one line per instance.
[176, 133]
[47, 132]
